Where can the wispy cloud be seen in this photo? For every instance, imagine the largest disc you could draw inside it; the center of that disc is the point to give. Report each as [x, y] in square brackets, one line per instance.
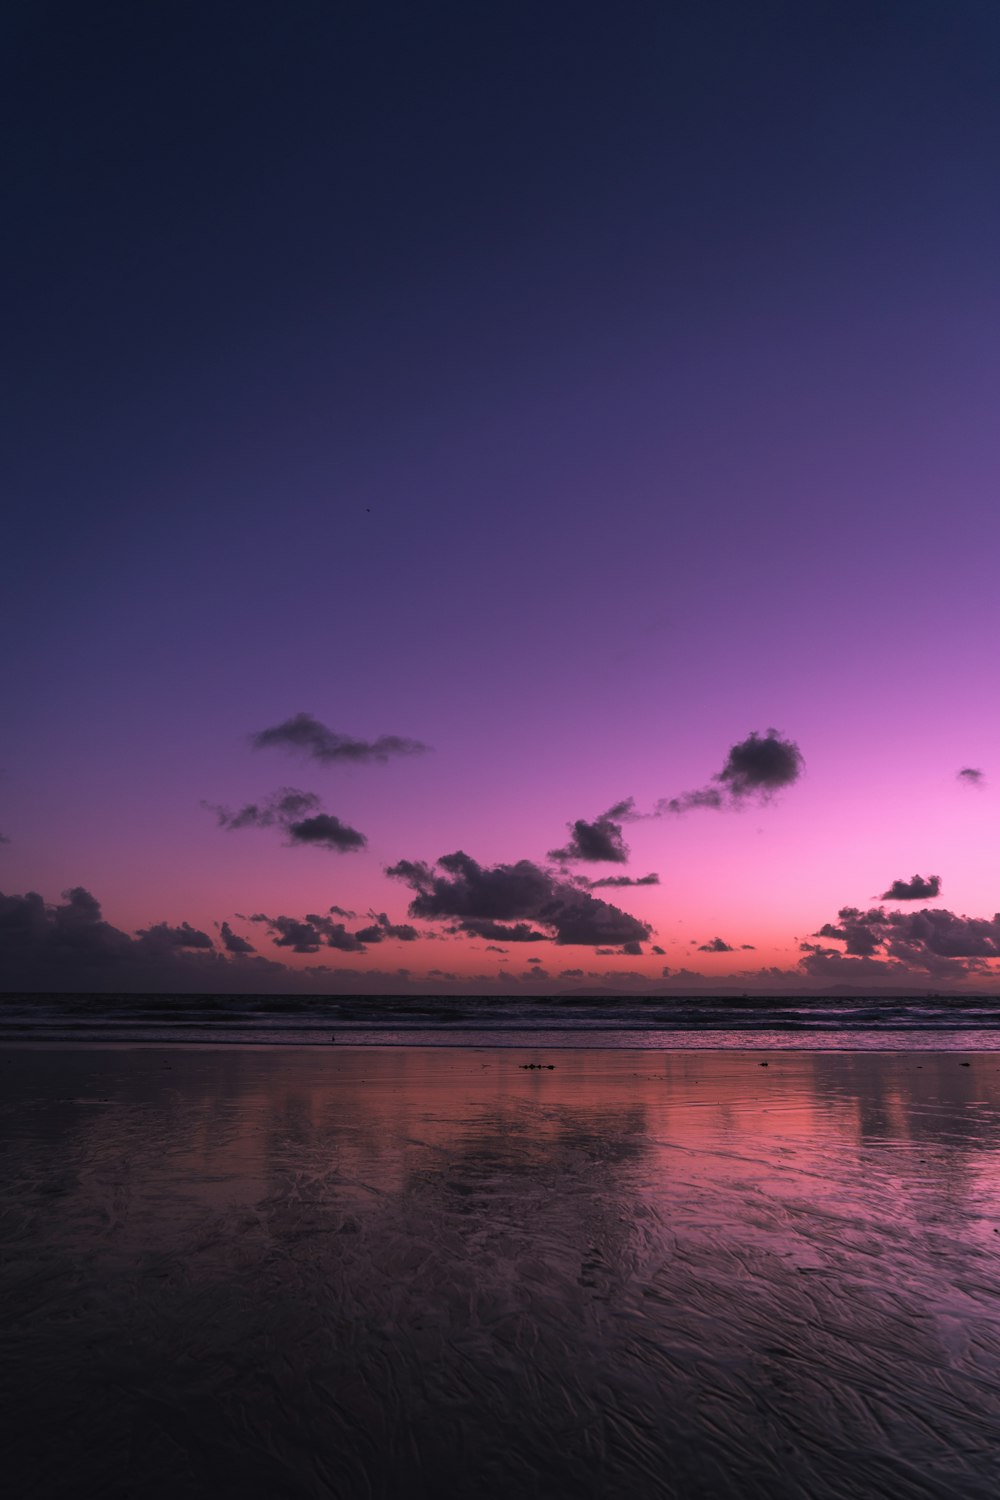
[305, 735]
[285, 809]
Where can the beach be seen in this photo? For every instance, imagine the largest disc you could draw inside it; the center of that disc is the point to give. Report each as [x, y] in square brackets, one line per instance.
[377, 1272]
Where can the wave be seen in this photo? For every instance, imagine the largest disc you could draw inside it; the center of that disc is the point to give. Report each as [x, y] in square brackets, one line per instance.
[447, 1020]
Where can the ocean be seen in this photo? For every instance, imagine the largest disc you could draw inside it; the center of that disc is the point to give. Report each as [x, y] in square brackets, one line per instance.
[881, 1023]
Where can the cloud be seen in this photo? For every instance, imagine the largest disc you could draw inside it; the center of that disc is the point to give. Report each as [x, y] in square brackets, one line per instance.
[598, 841]
[312, 932]
[970, 776]
[705, 797]
[518, 932]
[285, 809]
[748, 947]
[936, 941]
[616, 881]
[715, 946]
[458, 888]
[661, 952]
[492, 948]
[309, 934]
[232, 942]
[307, 736]
[326, 832]
[69, 946]
[382, 928]
[916, 889]
[4, 839]
[185, 936]
[761, 764]
[755, 769]
[570, 973]
[826, 963]
[280, 808]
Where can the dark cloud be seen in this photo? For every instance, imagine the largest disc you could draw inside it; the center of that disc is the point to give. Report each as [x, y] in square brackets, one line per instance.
[935, 941]
[4, 839]
[285, 810]
[859, 930]
[918, 888]
[281, 808]
[748, 947]
[307, 736]
[517, 932]
[185, 936]
[340, 911]
[492, 948]
[634, 950]
[458, 888]
[312, 932]
[70, 947]
[326, 832]
[755, 769]
[761, 764]
[232, 942]
[616, 881]
[598, 842]
[309, 934]
[715, 946]
[382, 928]
[827, 963]
[969, 776]
[661, 952]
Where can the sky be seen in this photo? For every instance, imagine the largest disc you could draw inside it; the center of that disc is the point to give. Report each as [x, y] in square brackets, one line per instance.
[465, 432]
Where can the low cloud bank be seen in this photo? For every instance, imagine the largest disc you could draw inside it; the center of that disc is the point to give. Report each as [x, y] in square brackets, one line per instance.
[69, 946]
[886, 944]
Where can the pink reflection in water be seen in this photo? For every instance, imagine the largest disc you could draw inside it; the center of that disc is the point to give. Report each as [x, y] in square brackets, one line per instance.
[433, 1271]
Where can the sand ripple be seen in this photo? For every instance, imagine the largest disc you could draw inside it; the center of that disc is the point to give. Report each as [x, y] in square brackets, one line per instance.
[433, 1274]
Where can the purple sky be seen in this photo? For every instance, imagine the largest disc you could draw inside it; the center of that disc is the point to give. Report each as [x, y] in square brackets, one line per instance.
[576, 391]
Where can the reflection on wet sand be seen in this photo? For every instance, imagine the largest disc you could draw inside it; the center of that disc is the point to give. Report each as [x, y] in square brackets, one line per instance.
[430, 1272]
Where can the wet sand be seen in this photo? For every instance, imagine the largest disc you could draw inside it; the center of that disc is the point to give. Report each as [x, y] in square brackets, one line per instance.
[431, 1272]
